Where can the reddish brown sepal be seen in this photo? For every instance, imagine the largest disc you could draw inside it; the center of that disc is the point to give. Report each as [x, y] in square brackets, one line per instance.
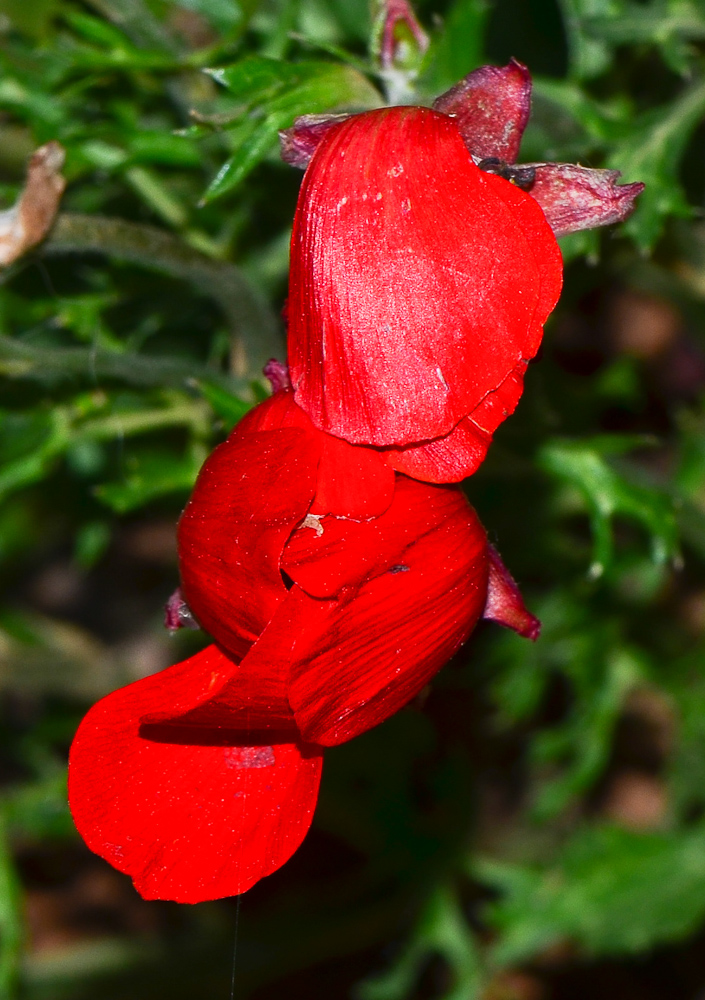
[574, 198]
[491, 108]
[505, 605]
[277, 374]
[298, 143]
[177, 613]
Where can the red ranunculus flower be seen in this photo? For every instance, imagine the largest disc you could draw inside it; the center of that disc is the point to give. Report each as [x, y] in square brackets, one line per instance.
[423, 267]
[334, 590]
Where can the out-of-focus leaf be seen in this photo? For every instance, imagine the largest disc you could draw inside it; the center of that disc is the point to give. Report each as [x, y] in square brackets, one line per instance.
[231, 409]
[590, 896]
[250, 316]
[441, 930]
[667, 24]
[651, 151]
[32, 18]
[599, 119]
[34, 462]
[570, 755]
[457, 48]
[158, 196]
[11, 919]
[42, 655]
[149, 477]
[164, 149]
[589, 54]
[91, 542]
[39, 810]
[584, 465]
[136, 19]
[225, 15]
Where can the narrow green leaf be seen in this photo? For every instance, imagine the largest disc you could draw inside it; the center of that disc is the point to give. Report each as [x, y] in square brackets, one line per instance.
[149, 478]
[231, 409]
[651, 151]
[584, 465]
[305, 88]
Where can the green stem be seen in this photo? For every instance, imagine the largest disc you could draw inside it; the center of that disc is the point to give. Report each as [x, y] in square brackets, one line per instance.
[194, 414]
[11, 930]
[253, 324]
[53, 364]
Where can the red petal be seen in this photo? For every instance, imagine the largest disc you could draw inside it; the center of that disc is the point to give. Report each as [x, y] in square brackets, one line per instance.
[460, 453]
[252, 695]
[275, 413]
[505, 605]
[351, 481]
[250, 494]
[491, 108]
[418, 282]
[574, 198]
[189, 821]
[345, 553]
[365, 655]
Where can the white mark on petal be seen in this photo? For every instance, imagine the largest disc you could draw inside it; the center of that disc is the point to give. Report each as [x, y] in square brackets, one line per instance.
[313, 521]
[249, 757]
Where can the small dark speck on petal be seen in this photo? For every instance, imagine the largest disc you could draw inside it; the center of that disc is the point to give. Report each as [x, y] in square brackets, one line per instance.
[399, 568]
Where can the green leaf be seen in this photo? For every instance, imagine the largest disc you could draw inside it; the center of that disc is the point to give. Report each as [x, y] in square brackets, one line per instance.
[584, 465]
[277, 93]
[457, 48]
[163, 148]
[601, 120]
[136, 19]
[256, 139]
[590, 55]
[149, 477]
[256, 79]
[651, 151]
[610, 891]
[92, 540]
[39, 810]
[586, 648]
[34, 19]
[225, 15]
[667, 25]
[231, 409]
[43, 438]
[441, 930]
[11, 917]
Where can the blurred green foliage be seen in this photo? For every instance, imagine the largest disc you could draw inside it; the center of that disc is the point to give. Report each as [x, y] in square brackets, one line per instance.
[548, 797]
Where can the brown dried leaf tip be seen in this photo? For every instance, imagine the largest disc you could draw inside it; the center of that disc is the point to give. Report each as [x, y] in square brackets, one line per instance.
[31, 217]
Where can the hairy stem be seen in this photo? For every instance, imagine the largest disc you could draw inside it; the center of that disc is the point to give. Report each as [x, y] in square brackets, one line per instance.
[253, 324]
[55, 364]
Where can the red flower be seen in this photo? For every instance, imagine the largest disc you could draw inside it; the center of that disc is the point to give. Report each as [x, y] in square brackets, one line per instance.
[358, 586]
[335, 591]
[421, 277]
